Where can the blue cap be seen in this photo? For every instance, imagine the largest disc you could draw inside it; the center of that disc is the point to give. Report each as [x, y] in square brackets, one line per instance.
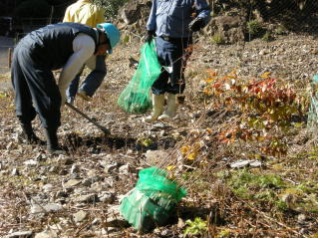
[112, 33]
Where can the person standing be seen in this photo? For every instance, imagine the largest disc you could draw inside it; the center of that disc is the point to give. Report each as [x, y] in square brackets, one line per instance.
[172, 23]
[63, 45]
[85, 12]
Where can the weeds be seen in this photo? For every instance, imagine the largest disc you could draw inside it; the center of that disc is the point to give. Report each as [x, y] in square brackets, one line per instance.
[255, 28]
[198, 227]
[218, 39]
[266, 109]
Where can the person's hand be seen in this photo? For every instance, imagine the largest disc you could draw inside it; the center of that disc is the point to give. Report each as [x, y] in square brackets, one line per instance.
[196, 24]
[149, 37]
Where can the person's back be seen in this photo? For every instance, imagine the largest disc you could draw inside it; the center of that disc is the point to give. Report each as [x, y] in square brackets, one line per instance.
[85, 12]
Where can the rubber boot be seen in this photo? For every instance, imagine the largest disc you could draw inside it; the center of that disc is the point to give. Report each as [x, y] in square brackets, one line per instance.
[52, 141]
[29, 134]
[158, 107]
[171, 108]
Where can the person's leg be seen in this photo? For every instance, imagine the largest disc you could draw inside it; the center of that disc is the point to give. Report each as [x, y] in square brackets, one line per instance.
[163, 52]
[46, 99]
[158, 107]
[178, 54]
[95, 78]
[49, 109]
[25, 111]
[160, 84]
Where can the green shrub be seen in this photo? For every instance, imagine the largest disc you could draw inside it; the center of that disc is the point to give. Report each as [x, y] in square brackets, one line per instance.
[111, 7]
[254, 28]
[281, 30]
[198, 227]
[267, 37]
[218, 39]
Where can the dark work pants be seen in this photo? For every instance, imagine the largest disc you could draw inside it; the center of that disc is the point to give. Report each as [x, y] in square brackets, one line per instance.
[35, 89]
[92, 81]
[172, 53]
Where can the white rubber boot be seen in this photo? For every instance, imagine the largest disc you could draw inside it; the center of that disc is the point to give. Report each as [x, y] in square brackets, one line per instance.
[158, 107]
[171, 108]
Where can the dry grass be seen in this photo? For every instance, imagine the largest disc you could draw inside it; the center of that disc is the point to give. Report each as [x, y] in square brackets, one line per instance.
[278, 199]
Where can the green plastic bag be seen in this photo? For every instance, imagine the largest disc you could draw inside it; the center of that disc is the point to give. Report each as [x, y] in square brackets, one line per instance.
[142, 212]
[135, 98]
[154, 179]
[153, 200]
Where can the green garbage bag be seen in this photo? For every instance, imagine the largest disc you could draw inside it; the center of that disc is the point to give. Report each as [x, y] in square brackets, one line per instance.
[135, 98]
[153, 200]
[154, 179]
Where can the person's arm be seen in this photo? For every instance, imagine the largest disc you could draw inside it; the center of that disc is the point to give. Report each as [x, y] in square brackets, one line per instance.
[203, 16]
[151, 22]
[83, 47]
[203, 10]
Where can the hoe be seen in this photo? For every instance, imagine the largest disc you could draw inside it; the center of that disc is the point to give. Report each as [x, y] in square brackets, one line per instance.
[105, 130]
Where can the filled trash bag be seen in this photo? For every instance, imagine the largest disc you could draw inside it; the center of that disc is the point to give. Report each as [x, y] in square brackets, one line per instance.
[153, 200]
[135, 98]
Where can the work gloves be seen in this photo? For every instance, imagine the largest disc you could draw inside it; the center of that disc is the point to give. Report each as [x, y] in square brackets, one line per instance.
[149, 37]
[196, 24]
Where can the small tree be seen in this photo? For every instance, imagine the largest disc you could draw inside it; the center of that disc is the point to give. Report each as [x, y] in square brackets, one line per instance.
[111, 6]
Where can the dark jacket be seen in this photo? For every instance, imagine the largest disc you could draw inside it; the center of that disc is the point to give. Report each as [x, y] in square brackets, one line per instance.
[51, 46]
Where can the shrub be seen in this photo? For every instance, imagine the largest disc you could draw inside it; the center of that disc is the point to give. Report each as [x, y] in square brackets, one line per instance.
[255, 28]
[111, 7]
[218, 39]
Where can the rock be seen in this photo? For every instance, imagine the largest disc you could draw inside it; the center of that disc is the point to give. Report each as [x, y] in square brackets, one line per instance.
[79, 216]
[301, 218]
[46, 234]
[72, 183]
[153, 157]
[106, 197]
[31, 162]
[109, 168]
[15, 172]
[230, 28]
[50, 207]
[88, 198]
[98, 186]
[21, 234]
[53, 169]
[47, 187]
[126, 169]
[75, 169]
[246, 163]
[133, 11]
[60, 194]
